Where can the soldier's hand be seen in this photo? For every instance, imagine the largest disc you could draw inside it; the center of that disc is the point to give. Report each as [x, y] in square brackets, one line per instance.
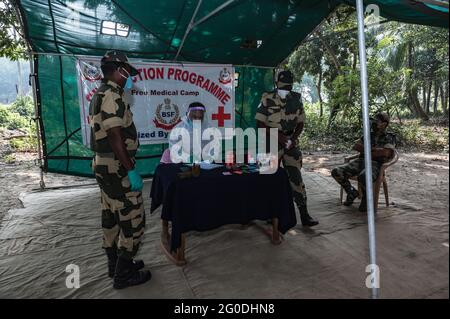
[293, 144]
[135, 180]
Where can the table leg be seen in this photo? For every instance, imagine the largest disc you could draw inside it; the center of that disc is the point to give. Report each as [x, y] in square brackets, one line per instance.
[272, 232]
[178, 257]
[276, 239]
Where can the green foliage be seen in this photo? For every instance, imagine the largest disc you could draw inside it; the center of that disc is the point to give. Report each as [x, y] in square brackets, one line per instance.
[342, 134]
[24, 106]
[9, 159]
[4, 115]
[12, 44]
[26, 144]
[403, 60]
[12, 120]
[18, 115]
[16, 121]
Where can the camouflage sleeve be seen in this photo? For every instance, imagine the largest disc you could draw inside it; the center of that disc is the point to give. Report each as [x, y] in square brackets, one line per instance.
[262, 111]
[112, 110]
[390, 141]
[301, 113]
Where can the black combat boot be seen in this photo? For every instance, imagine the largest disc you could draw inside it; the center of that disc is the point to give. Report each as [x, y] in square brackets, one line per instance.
[363, 206]
[305, 218]
[126, 274]
[111, 253]
[352, 194]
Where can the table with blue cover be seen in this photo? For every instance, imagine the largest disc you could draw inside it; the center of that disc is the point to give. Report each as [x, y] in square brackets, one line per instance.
[213, 199]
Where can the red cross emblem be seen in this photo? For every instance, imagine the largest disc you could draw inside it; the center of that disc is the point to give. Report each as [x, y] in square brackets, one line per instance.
[221, 116]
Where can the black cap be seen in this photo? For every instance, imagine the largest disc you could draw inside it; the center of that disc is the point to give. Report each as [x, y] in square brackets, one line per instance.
[118, 57]
[285, 80]
[382, 116]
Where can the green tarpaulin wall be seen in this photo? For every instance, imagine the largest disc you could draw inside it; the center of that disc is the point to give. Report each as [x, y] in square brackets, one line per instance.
[253, 35]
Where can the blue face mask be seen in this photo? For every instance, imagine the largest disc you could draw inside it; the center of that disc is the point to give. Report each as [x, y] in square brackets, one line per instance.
[129, 83]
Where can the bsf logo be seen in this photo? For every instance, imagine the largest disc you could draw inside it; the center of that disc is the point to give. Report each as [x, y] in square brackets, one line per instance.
[225, 76]
[90, 71]
[167, 115]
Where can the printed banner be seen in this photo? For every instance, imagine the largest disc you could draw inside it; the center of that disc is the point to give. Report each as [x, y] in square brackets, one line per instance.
[161, 94]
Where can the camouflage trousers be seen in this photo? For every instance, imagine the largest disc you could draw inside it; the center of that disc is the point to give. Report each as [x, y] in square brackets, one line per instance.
[123, 215]
[354, 168]
[292, 162]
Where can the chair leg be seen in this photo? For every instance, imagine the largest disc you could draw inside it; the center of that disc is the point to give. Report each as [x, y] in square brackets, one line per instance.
[376, 193]
[359, 191]
[386, 192]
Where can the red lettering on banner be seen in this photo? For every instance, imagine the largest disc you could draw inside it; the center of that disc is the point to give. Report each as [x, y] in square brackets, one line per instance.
[157, 73]
[177, 75]
[139, 75]
[199, 81]
[205, 85]
[192, 78]
[184, 76]
[220, 95]
[170, 73]
[225, 99]
[221, 116]
[213, 88]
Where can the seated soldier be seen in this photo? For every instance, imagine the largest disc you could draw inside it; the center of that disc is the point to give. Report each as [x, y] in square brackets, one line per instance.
[383, 145]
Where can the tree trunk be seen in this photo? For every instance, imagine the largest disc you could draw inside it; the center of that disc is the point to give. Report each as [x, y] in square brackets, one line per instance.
[413, 95]
[446, 99]
[424, 95]
[412, 89]
[442, 95]
[430, 85]
[319, 92]
[436, 97]
[330, 52]
[352, 84]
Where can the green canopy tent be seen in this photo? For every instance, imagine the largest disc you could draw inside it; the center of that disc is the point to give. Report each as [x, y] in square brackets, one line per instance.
[253, 35]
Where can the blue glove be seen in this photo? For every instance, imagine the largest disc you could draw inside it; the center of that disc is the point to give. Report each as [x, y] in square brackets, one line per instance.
[135, 180]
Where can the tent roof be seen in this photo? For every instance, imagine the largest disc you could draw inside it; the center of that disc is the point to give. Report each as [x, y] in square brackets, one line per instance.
[273, 28]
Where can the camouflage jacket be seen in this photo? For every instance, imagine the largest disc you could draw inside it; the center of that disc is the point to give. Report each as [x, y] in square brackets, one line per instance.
[384, 140]
[108, 109]
[284, 115]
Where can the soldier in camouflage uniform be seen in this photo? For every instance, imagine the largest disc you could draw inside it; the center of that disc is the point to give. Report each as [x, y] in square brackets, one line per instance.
[114, 141]
[383, 145]
[283, 109]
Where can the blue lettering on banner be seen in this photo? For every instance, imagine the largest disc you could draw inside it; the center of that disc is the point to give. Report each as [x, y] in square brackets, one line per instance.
[154, 134]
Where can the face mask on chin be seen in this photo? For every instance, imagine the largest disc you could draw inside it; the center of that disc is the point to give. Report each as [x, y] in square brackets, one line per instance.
[283, 93]
[129, 82]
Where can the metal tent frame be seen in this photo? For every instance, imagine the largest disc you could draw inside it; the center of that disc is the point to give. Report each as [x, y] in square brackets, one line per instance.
[374, 272]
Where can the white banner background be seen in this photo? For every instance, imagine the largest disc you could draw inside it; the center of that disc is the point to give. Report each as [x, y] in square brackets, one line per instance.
[161, 94]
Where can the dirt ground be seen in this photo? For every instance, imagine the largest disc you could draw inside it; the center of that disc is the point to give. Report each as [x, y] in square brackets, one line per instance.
[419, 178]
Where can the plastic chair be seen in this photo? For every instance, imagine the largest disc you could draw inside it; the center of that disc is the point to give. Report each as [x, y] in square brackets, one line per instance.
[381, 180]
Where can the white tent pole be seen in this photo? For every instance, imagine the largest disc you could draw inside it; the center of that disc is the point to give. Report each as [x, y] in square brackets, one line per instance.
[188, 29]
[219, 8]
[367, 146]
